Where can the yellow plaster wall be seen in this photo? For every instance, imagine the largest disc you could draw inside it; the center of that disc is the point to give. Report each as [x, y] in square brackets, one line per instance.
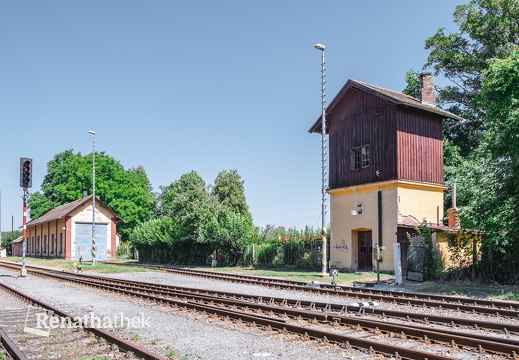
[422, 201]
[398, 198]
[344, 226]
[470, 252]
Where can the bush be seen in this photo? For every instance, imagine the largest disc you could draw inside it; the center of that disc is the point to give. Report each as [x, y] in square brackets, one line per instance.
[125, 250]
[305, 262]
[266, 255]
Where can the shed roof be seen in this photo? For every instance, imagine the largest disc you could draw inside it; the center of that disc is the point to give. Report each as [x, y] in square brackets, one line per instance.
[64, 210]
[388, 95]
[17, 240]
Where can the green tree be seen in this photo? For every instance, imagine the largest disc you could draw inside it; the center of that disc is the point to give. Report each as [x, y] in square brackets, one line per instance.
[201, 223]
[487, 29]
[190, 206]
[489, 195]
[229, 233]
[499, 100]
[127, 192]
[412, 79]
[229, 189]
[155, 232]
[481, 153]
[8, 237]
[270, 233]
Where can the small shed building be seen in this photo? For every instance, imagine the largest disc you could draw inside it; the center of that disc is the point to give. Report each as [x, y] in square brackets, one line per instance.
[66, 232]
[16, 246]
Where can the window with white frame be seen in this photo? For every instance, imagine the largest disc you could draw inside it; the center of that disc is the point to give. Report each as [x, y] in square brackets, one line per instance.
[360, 157]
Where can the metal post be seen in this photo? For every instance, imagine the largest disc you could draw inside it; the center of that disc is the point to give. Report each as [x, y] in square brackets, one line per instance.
[380, 229]
[93, 196]
[24, 240]
[397, 263]
[378, 265]
[323, 161]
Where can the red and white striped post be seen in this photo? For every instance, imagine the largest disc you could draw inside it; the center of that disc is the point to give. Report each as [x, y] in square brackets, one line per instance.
[24, 241]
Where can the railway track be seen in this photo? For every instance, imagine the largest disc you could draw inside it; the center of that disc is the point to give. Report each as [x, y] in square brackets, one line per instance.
[321, 321]
[23, 336]
[461, 304]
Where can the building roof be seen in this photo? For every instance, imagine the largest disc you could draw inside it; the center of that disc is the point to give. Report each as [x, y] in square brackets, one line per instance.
[64, 210]
[410, 222]
[388, 95]
[17, 240]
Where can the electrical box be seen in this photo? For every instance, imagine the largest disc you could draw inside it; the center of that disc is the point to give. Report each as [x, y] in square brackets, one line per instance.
[378, 253]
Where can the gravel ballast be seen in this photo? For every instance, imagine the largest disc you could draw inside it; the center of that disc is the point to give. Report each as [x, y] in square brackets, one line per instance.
[189, 335]
[174, 332]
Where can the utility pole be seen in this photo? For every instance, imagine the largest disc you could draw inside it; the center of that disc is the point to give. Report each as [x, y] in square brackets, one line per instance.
[93, 133]
[323, 162]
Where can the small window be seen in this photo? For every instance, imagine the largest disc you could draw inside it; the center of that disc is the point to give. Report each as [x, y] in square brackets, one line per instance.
[364, 156]
[360, 157]
[60, 243]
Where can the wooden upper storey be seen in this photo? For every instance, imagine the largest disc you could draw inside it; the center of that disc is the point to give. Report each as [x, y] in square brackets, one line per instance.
[378, 135]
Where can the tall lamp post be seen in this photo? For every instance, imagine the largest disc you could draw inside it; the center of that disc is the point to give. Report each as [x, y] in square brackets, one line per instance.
[93, 195]
[323, 160]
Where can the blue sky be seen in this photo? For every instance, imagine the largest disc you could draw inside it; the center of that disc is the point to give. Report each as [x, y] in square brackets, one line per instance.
[177, 86]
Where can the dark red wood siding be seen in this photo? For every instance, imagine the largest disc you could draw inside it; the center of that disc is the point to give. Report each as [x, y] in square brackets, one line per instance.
[420, 146]
[405, 143]
[362, 119]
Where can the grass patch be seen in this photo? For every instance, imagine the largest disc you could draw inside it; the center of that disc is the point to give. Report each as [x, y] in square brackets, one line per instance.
[474, 289]
[99, 267]
[297, 274]
[309, 275]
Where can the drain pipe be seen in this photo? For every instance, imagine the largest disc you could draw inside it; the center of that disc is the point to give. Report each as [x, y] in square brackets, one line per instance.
[379, 245]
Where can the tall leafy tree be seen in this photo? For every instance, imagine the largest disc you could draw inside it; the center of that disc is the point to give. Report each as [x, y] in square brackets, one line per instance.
[229, 189]
[481, 154]
[213, 222]
[499, 100]
[189, 204]
[128, 192]
[487, 29]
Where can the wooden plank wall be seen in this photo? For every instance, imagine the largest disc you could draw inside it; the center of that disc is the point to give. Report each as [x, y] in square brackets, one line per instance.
[420, 146]
[405, 143]
[362, 119]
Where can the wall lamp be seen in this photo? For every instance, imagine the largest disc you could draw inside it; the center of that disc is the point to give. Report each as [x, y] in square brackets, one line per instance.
[355, 212]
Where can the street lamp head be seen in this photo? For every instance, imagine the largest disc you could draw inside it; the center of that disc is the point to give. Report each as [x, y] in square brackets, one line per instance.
[320, 47]
[92, 132]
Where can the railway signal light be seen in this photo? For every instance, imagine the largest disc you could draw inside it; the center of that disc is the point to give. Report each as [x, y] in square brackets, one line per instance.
[25, 172]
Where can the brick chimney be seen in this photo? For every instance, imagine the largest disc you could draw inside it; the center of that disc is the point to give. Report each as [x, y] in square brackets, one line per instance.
[453, 213]
[454, 218]
[427, 92]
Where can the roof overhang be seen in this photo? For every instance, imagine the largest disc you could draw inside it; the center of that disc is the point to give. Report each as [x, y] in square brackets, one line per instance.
[387, 95]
